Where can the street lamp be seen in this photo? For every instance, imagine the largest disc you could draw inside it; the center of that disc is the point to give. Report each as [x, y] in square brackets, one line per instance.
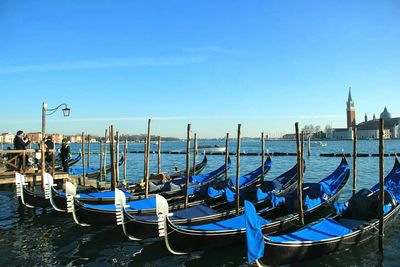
[49, 111]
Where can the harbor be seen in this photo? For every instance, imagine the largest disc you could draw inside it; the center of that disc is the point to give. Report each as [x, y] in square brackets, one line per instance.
[203, 133]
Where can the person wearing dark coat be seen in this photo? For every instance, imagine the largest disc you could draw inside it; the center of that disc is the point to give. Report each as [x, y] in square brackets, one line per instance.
[65, 153]
[49, 146]
[20, 143]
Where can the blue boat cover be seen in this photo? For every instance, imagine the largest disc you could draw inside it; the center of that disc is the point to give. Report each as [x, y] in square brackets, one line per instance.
[142, 204]
[261, 195]
[77, 170]
[147, 203]
[104, 207]
[234, 223]
[195, 181]
[330, 184]
[244, 181]
[324, 229]
[104, 194]
[254, 235]
[189, 213]
[310, 203]
[392, 181]
[340, 207]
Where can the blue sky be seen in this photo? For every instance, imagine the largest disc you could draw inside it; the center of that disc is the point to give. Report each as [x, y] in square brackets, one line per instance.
[214, 64]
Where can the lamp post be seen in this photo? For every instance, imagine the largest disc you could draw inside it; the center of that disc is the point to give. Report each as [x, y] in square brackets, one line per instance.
[49, 111]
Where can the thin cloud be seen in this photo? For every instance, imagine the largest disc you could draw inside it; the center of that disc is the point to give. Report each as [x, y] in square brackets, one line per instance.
[178, 118]
[170, 118]
[106, 63]
[211, 49]
[316, 117]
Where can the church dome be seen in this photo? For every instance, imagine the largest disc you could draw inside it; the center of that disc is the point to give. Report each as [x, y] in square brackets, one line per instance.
[385, 114]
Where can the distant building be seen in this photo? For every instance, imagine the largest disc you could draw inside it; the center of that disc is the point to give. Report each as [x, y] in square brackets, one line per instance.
[36, 137]
[368, 129]
[8, 138]
[351, 111]
[76, 138]
[57, 138]
[289, 137]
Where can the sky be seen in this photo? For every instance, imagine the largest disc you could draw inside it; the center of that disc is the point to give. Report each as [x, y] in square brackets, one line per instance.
[214, 64]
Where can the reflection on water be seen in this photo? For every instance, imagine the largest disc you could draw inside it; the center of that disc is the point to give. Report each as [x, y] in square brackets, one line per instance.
[43, 237]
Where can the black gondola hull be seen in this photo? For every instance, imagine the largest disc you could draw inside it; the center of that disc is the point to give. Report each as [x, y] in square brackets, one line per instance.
[277, 254]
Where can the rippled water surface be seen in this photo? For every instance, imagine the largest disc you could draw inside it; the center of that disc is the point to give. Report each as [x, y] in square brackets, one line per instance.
[39, 237]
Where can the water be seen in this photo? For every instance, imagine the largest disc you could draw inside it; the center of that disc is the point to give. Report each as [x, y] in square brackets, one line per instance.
[35, 237]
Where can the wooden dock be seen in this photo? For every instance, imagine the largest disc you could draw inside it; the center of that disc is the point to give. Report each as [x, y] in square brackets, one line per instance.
[8, 177]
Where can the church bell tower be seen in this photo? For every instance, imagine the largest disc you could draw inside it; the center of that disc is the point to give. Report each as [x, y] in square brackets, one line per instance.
[351, 111]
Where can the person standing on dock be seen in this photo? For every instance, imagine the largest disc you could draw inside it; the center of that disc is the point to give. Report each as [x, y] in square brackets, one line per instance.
[49, 146]
[20, 143]
[65, 153]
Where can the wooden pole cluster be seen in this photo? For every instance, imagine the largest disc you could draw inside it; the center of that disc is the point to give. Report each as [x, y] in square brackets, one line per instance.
[299, 174]
[187, 165]
[354, 160]
[147, 159]
[113, 178]
[262, 158]
[226, 155]
[194, 154]
[159, 154]
[125, 160]
[238, 170]
[83, 159]
[381, 183]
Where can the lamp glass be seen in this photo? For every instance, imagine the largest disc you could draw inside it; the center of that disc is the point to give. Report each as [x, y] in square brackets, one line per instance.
[66, 111]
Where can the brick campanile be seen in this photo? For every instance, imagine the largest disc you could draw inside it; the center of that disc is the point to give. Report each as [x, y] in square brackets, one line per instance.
[351, 111]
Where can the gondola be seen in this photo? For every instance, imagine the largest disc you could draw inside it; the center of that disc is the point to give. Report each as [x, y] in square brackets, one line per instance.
[353, 225]
[276, 216]
[58, 197]
[138, 227]
[71, 162]
[92, 214]
[39, 199]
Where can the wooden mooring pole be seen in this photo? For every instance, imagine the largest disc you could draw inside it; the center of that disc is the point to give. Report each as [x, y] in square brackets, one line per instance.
[299, 174]
[187, 165]
[262, 158]
[116, 163]
[105, 155]
[113, 179]
[159, 154]
[125, 160]
[101, 160]
[88, 151]
[83, 159]
[354, 160]
[194, 154]
[147, 159]
[309, 147]
[226, 156]
[381, 183]
[238, 170]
